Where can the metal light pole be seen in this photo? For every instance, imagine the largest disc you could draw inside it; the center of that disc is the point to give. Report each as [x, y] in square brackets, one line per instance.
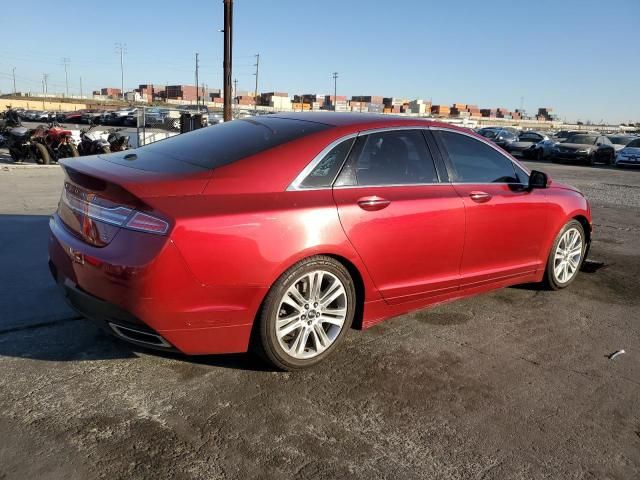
[197, 83]
[66, 61]
[228, 45]
[255, 93]
[335, 90]
[14, 81]
[121, 48]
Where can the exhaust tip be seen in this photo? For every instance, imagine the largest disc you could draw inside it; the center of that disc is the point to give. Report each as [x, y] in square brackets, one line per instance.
[141, 337]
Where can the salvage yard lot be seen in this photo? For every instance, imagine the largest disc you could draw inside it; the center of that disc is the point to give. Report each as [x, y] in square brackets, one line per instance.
[512, 384]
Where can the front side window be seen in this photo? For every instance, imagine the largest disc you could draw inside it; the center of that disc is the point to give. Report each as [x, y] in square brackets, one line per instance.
[476, 162]
[398, 157]
[325, 172]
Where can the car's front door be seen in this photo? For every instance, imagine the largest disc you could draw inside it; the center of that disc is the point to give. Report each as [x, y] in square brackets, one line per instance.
[405, 223]
[505, 222]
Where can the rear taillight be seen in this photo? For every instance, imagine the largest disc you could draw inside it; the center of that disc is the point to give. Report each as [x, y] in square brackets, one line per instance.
[95, 216]
[147, 223]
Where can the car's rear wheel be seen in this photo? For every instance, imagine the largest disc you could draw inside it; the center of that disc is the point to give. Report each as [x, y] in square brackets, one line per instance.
[566, 256]
[306, 313]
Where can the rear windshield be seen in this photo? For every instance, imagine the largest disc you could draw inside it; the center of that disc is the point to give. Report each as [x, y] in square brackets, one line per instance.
[582, 139]
[228, 142]
[634, 143]
[620, 140]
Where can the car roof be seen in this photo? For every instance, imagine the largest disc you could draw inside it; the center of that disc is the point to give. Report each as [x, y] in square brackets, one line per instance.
[358, 120]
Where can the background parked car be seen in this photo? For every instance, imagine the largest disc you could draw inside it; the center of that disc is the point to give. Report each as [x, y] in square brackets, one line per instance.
[620, 141]
[587, 148]
[630, 154]
[498, 135]
[531, 145]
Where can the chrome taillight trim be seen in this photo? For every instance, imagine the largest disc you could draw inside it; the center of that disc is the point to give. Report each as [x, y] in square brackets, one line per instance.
[113, 216]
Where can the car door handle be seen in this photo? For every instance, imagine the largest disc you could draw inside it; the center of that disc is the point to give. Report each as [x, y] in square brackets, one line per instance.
[480, 197]
[372, 204]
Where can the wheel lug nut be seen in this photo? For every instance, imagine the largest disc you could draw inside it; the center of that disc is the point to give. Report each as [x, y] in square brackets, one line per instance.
[315, 304]
[307, 307]
[303, 317]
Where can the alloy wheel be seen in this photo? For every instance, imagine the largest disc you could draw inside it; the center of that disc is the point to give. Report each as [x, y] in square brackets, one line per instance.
[311, 314]
[567, 256]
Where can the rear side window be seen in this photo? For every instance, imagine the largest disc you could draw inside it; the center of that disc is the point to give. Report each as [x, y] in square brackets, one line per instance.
[475, 162]
[325, 172]
[228, 142]
[397, 157]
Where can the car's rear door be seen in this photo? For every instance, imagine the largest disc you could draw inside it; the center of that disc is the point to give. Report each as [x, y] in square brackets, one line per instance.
[505, 222]
[401, 215]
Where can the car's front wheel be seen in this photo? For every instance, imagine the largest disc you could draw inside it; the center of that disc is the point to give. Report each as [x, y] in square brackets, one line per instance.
[306, 313]
[566, 256]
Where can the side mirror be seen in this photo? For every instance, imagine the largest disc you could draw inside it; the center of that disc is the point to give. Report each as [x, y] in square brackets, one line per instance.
[538, 180]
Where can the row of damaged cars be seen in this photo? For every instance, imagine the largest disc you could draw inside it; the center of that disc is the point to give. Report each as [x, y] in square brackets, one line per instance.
[567, 146]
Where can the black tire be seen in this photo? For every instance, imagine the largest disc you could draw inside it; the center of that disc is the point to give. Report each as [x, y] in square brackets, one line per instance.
[591, 160]
[14, 155]
[550, 280]
[612, 159]
[540, 155]
[265, 341]
[68, 150]
[41, 154]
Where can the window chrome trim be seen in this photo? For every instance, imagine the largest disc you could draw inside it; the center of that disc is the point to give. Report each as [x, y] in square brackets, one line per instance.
[394, 185]
[492, 145]
[296, 184]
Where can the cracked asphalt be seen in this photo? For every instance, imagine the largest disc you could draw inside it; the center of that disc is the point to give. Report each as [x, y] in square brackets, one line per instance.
[512, 384]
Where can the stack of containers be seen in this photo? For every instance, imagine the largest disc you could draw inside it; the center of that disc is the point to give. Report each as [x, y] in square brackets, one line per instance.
[474, 111]
[488, 112]
[339, 104]
[440, 110]
[419, 106]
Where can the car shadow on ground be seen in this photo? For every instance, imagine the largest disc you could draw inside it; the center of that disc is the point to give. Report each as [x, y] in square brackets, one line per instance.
[35, 321]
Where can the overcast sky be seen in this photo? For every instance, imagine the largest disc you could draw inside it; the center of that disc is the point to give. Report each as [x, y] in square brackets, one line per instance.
[580, 57]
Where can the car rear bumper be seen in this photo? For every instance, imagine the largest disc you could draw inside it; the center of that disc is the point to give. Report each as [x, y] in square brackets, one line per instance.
[627, 162]
[141, 285]
[577, 157]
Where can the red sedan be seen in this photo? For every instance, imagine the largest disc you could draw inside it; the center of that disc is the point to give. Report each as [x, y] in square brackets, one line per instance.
[282, 232]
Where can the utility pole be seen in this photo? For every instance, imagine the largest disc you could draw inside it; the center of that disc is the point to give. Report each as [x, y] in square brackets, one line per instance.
[228, 56]
[14, 81]
[66, 61]
[255, 97]
[45, 79]
[80, 87]
[335, 90]
[121, 49]
[197, 83]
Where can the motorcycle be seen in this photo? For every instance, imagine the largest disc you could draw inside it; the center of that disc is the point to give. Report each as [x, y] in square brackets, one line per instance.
[19, 141]
[117, 141]
[8, 120]
[57, 140]
[92, 143]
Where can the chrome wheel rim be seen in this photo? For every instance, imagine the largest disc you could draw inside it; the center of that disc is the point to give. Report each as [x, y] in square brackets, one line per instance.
[311, 314]
[568, 254]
